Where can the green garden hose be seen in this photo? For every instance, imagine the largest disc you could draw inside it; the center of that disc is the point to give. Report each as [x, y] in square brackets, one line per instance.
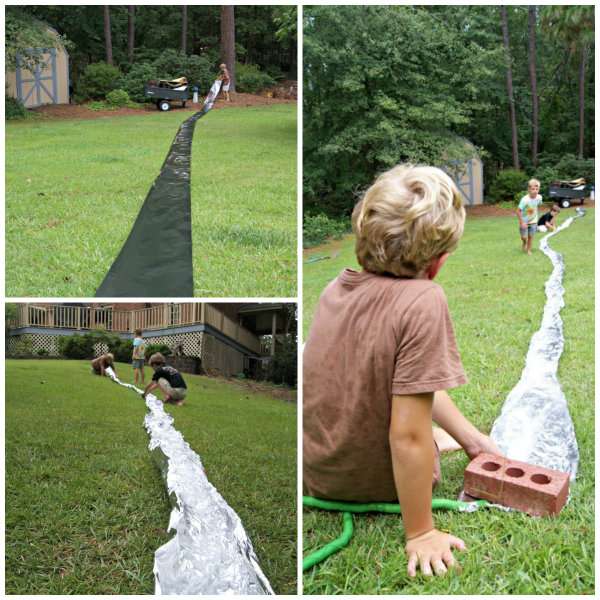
[347, 508]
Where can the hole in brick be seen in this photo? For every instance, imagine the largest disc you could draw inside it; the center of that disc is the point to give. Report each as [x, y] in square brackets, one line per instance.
[515, 472]
[539, 478]
[490, 466]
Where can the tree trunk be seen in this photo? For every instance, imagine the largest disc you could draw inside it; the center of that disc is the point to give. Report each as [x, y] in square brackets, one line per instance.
[107, 37]
[184, 28]
[130, 33]
[533, 80]
[582, 64]
[228, 42]
[509, 88]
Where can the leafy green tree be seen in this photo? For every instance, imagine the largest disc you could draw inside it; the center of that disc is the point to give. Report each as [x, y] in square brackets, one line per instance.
[383, 85]
[24, 32]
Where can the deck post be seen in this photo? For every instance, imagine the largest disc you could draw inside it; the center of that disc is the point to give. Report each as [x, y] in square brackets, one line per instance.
[273, 332]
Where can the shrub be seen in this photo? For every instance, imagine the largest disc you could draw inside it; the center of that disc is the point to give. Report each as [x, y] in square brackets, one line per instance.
[98, 80]
[117, 98]
[153, 348]
[14, 109]
[508, 183]
[197, 69]
[133, 82]
[23, 347]
[571, 167]
[76, 346]
[250, 79]
[317, 228]
[43, 352]
[284, 366]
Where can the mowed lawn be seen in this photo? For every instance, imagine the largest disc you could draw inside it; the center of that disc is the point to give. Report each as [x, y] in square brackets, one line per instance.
[75, 187]
[86, 506]
[496, 298]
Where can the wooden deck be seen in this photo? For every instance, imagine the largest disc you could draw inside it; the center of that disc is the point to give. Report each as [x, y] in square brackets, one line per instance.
[158, 317]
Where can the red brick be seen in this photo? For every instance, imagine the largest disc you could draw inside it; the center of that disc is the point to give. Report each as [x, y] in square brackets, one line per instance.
[524, 487]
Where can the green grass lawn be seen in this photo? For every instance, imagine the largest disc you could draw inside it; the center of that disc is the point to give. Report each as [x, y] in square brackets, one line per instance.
[74, 189]
[496, 299]
[86, 507]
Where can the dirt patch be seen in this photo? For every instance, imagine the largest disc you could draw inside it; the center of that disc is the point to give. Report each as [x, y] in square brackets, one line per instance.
[80, 111]
[263, 387]
[490, 210]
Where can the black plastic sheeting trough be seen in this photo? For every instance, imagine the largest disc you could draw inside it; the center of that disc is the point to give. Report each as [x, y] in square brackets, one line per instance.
[156, 259]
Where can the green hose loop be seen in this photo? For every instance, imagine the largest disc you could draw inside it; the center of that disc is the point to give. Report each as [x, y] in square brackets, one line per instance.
[347, 508]
[341, 542]
[385, 507]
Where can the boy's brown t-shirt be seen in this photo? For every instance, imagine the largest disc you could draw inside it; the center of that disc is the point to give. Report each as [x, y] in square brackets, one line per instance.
[372, 337]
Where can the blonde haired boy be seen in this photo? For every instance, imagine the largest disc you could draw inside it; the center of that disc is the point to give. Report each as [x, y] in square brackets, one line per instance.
[380, 353]
[528, 214]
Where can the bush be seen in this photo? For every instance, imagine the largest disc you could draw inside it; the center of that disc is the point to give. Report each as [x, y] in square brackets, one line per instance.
[14, 109]
[98, 80]
[43, 352]
[284, 366]
[153, 348]
[117, 98]
[23, 347]
[317, 228]
[508, 183]
[250, 79]
[76, 346]
[133, 82]
[197, 69]
[571, 167]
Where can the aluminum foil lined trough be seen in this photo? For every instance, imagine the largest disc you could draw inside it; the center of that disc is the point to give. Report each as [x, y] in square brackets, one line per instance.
[534, 425]
[210, 552]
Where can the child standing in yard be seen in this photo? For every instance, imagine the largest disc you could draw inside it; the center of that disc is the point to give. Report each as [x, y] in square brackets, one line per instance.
[224, 77]
[100, 364]
[380, 355]
[528, 214]
[137, 358]
[167, 379]
[548, 220]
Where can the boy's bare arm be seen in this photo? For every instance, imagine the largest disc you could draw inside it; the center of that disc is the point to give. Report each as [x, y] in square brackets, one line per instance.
[446, 414]
[151, 386]
[411, 444]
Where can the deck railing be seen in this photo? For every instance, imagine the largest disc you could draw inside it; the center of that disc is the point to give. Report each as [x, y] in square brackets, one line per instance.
[160, 316]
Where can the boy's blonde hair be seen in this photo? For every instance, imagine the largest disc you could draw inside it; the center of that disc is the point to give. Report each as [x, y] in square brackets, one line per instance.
[408, 217]
[533, 182]
[157, 359]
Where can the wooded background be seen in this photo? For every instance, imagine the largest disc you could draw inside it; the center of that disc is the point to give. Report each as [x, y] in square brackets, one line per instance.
[162, 41]
[389, 84]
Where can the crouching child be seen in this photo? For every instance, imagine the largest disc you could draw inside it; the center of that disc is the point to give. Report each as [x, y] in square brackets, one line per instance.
[380, 354]
[101, 363]
[167, 379]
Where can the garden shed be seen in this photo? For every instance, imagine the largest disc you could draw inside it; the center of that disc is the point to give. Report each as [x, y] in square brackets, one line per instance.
[467, 174]
[49, 81]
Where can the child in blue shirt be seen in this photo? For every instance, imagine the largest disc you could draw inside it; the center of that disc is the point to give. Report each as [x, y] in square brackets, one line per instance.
[137, 359]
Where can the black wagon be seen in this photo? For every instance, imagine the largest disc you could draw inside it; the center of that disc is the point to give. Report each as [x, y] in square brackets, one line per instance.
[163, 92]
[565, 193]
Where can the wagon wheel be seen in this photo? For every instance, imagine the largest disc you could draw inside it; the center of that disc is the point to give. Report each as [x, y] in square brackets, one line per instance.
[164, 105]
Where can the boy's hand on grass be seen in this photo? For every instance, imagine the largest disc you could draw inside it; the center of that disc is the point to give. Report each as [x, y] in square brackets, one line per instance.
[432, 553]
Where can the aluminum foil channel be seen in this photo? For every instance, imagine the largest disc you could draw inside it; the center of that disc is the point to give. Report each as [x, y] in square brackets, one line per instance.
[534, 425]
[210, 552]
